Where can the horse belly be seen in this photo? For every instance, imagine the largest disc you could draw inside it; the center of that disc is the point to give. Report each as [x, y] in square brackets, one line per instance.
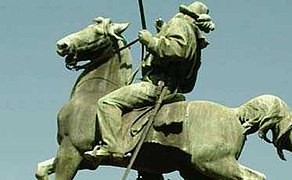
[157, 158]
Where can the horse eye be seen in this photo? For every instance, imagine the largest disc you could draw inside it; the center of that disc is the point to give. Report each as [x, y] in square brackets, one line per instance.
[97, 20]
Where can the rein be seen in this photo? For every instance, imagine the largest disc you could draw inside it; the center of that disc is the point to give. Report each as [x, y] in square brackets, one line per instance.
[127, 45]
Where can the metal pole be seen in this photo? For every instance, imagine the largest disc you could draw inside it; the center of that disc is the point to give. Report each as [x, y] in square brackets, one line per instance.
[161, 91]
[143, 22]
[137, 149]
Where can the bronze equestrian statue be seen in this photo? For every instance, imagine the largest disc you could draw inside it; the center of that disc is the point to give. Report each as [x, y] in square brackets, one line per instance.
[200, 139]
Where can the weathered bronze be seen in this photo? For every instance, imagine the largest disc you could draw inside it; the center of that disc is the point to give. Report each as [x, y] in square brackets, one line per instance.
[200, 139]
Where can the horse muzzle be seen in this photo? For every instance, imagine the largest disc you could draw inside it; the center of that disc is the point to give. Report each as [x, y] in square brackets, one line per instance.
[63, 48]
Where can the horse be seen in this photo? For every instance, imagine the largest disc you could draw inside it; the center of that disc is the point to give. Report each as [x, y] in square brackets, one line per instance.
[200, 139]
[107, 70]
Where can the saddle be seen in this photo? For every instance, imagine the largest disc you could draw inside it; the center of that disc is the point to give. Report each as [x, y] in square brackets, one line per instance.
[168, 119]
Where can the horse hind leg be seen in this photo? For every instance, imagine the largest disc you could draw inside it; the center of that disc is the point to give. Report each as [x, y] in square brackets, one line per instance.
[250, 174]
[67, 161]
[44, 169]
[228, 169]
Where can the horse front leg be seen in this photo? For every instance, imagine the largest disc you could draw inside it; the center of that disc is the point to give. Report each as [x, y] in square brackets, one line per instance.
[67, 161]
[48, 167]
[44, 169]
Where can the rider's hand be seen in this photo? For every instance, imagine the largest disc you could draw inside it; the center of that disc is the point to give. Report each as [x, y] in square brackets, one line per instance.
[158, 24]
[145, 37]
[204, 18]
[205, 23]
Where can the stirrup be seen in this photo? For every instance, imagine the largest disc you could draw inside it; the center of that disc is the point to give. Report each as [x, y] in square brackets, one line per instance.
[101, 151]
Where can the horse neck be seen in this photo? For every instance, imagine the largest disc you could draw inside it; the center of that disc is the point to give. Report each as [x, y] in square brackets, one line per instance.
[112, 73]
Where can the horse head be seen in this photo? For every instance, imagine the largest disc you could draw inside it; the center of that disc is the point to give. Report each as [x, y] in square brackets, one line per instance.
[95, 42]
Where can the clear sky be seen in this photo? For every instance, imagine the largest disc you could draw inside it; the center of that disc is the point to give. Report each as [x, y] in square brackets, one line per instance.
[250, 55]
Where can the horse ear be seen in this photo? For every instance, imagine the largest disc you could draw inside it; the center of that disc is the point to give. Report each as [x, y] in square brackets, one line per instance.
[119, 28]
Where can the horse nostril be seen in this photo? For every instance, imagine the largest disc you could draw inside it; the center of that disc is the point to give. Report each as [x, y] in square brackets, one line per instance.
[62, 48]
[62, 45]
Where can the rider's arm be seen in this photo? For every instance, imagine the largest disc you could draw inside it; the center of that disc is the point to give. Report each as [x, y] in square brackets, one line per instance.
[177, 42]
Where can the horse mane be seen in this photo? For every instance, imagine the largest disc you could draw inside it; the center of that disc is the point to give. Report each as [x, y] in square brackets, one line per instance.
[262, 114]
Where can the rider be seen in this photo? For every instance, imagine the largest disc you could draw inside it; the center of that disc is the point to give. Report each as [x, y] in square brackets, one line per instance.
[175, 57]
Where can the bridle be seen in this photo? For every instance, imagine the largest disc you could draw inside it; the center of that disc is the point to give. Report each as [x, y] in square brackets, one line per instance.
[73, 65]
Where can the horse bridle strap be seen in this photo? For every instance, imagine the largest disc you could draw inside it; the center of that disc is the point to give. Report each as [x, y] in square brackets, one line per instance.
[94, 62]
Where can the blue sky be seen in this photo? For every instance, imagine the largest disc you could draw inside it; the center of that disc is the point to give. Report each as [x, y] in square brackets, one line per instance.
[250, 54]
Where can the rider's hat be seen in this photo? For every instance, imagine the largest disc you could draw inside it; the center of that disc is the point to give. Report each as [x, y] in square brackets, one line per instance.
[194, 10]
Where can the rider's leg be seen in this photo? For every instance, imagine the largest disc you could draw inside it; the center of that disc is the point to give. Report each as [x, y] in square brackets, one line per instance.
[111, 107]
